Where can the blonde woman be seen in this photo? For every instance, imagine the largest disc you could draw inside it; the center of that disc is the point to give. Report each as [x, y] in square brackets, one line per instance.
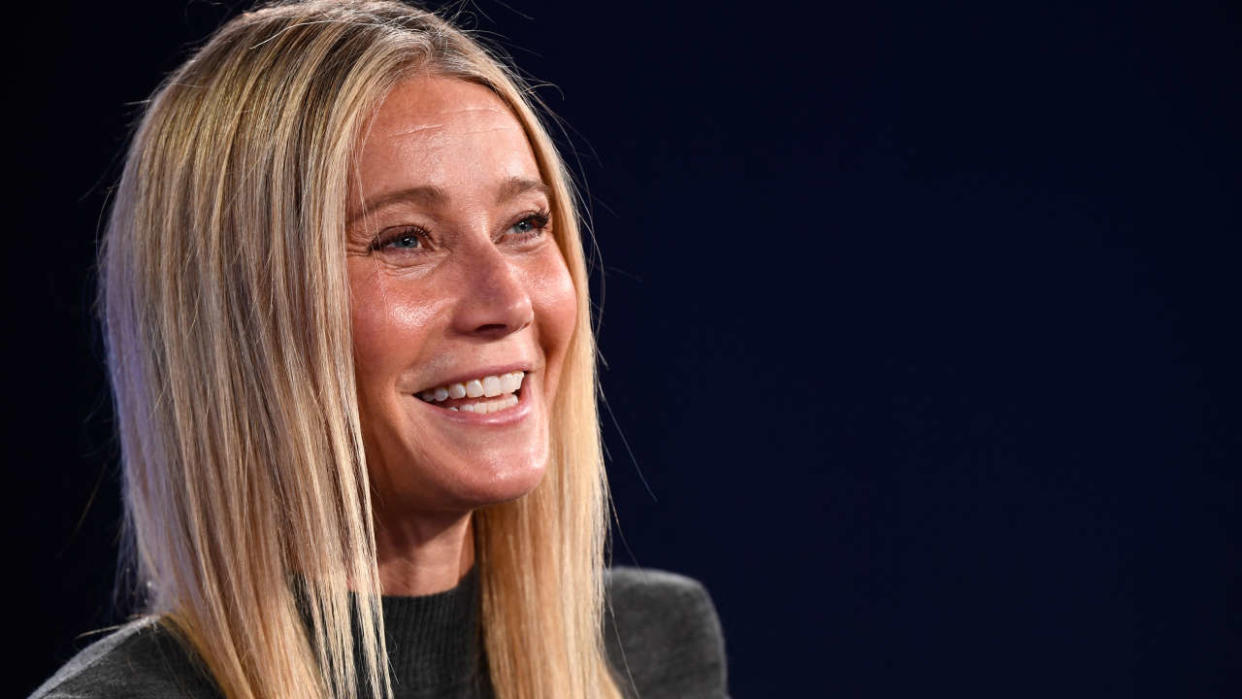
[345, 303]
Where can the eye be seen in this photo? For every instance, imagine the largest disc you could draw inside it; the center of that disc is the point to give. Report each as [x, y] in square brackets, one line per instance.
[401, 239]
[404, 241]
[531, 225]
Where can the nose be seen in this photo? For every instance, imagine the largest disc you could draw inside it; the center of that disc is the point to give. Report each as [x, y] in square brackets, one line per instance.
[495, 301]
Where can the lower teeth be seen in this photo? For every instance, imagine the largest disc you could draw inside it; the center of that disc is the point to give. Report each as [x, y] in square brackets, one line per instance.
[488, 406]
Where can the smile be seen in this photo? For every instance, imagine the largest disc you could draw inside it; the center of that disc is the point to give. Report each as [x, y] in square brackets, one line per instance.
[486, 394]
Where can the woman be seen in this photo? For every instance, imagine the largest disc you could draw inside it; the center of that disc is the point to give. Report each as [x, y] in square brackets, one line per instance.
[346, 313]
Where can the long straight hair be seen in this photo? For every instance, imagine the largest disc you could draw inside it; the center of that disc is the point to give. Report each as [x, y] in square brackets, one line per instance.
[224, 299]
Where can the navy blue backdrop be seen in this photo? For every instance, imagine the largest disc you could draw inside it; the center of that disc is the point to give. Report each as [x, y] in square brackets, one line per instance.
[921, 327]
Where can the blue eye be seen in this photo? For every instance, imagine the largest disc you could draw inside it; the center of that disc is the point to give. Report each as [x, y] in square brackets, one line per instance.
[531, 225]
[401, 239]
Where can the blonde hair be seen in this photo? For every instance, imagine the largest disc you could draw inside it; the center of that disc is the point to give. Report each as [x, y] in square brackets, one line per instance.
[225, 303]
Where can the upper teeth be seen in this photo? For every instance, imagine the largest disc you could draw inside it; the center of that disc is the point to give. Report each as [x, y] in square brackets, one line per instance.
[486, 387]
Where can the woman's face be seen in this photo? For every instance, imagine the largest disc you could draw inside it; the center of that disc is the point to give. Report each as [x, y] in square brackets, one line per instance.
[459, 295]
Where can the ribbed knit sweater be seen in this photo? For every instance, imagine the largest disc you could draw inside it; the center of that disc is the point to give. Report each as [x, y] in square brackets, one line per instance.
[661, 632]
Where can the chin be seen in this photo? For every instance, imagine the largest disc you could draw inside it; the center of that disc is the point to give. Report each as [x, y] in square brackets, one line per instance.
[455, 483]
[494, 483]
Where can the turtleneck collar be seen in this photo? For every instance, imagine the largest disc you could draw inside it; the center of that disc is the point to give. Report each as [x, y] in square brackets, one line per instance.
[435, 642]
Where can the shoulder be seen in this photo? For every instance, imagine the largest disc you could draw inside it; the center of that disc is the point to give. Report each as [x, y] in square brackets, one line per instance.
[140, 659]
[663, 635]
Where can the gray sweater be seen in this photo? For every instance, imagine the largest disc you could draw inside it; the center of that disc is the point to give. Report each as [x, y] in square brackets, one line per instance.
[661, 632]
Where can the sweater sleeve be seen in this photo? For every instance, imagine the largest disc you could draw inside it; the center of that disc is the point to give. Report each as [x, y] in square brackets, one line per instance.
[663, 636]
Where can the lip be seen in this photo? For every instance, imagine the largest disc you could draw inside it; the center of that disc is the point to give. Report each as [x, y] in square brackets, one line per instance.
[500, 418]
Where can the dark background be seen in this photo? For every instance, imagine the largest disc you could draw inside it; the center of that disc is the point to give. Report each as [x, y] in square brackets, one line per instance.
[921, 327]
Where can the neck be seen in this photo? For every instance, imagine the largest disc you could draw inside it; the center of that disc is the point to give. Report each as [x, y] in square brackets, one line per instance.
[423, 555]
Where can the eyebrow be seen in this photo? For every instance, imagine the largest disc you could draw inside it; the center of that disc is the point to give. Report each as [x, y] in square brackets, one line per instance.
[432, 196]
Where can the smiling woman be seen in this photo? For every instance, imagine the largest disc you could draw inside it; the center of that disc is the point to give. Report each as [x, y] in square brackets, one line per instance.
[345, 302]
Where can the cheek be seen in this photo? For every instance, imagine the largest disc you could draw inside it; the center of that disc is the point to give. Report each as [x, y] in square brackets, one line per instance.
[556, 303]
[390, 321]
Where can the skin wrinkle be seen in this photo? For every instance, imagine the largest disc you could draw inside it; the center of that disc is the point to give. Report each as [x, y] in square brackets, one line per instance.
[459, 112]
[418, 130]
[434, 127]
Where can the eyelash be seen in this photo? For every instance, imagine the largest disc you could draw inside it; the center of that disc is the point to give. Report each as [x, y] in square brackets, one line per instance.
[539, 219]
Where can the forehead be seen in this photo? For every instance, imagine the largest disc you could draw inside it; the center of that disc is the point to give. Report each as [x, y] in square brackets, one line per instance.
[444, 132]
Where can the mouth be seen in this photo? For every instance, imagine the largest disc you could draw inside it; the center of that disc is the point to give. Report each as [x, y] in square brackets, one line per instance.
[482, 395]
